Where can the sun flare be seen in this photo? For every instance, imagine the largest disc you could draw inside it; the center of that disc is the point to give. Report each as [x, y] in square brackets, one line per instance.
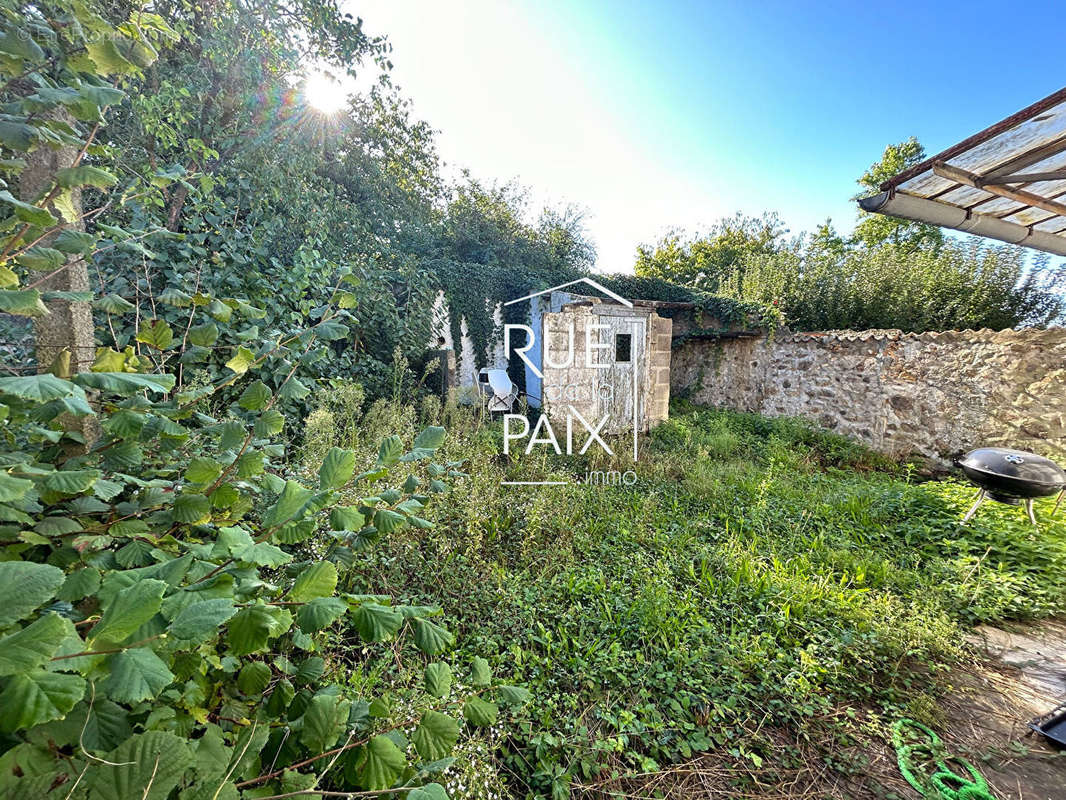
[324, 92]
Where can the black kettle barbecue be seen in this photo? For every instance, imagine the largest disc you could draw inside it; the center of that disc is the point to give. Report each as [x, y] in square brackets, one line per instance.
[1011, 476]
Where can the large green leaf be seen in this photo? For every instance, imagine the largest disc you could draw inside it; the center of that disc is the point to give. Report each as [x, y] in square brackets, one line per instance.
[71, 481]
[17, 136]
[317, 580]
[431, 638]
[39, 388]
[383, 765]
[438, 679]
[255, 396]
[231, 436]
[337, 468]
[480, 672]
[202, 618]
[250, 629]
[113, 304]
[294, 389]
[220, 311]
[253, 678]
[25, 587]
[270, 423]
[145, 767]
[191, 508]
[100, 728]
[295, 532]
[108, 360]
[25, 212]
[102, 96]
[12, 488]
[346, 518]
[390, 451]
[131, 608]
[42, 259]
[263, 554]
[514, 695]
[172, 296]
[35, 697]
[126, 382]
[292, 500]
[480, 713]
[330, 330]
[323, 722]
[435, 735]
[203, 335]
[155, 333]
[202, 470]
[375, 622]
[387, 521]
[310, 670]
[85, 175]
[19, 44]
[75, 242]
[431, 438]
[33, 645]
[320, 613]
[79, 584]
[136, 675]
[22, 302]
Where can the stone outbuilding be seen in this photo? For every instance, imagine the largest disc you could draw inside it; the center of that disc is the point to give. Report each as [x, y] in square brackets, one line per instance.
[602, 358]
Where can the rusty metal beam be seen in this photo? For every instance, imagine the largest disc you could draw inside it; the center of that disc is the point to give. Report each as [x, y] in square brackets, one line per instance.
[1018, 195]
[978, 138]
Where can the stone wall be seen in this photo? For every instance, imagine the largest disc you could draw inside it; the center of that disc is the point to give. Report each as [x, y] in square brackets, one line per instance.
[657, 390]
[932, 394]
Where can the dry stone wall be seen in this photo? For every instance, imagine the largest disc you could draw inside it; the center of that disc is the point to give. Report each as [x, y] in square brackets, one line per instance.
[931, 394]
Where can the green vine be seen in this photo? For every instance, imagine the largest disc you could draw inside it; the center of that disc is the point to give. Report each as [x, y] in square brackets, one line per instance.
[472, 292]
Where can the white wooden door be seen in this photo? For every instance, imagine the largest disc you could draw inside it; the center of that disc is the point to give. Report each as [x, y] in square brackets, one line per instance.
[620, 382]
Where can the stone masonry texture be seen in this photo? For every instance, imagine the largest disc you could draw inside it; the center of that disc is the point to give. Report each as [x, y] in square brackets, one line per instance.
[930, 394]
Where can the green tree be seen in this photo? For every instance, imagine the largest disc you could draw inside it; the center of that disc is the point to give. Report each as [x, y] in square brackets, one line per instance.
[873, 229]
[705, 262]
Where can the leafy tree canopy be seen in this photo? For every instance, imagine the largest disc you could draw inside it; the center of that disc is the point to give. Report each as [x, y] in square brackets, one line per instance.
[705, 261]
[874, 229]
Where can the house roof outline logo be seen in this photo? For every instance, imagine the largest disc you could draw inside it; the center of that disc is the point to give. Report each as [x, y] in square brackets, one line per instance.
[589, 281]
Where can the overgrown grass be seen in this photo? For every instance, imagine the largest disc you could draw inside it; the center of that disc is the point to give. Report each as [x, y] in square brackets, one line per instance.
[760, 576]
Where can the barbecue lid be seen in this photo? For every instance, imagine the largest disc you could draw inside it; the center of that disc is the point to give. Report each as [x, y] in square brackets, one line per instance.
[1015, 464]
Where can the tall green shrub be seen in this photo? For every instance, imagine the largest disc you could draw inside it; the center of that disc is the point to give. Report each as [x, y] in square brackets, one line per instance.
[167, 586]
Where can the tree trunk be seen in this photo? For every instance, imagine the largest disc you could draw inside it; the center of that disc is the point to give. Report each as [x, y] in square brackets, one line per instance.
[69, 325]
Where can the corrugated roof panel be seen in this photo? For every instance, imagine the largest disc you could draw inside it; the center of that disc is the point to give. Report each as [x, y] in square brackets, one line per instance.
[1030, 216]
[1049, 164]
[964, 196]
[1053, 225]
[999, 205]
[1051, 189]
[926, 185]
[1026, 137]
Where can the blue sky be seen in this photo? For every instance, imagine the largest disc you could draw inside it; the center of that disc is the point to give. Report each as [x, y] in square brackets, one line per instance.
[657, 114]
